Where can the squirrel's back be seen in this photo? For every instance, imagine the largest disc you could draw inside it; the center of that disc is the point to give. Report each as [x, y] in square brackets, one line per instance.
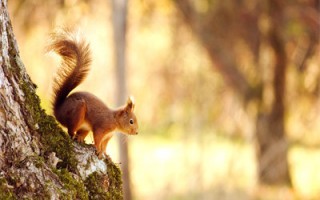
[76, 60]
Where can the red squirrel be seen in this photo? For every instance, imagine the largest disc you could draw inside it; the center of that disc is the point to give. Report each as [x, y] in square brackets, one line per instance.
[82, 112]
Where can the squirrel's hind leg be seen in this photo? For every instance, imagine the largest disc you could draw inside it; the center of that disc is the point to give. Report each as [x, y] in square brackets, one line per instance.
[81, 135]
[77, 117]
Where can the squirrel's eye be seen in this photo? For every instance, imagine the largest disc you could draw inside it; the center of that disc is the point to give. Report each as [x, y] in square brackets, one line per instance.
[131, 121]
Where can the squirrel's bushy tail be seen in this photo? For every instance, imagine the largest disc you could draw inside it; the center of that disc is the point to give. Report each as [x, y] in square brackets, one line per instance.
[76, 60]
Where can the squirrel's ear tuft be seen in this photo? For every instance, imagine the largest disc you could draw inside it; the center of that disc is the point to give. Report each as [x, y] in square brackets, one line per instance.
[130, 103]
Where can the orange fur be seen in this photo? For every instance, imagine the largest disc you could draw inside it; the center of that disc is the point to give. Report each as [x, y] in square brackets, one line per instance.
[82, 112]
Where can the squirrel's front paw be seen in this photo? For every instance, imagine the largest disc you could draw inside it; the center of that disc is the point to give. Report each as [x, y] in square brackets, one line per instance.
[79, 139]
[102, 155]
[99, 154]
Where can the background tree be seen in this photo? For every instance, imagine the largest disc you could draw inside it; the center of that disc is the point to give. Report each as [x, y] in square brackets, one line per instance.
[39, 160]
[119, 16]
[223, 27]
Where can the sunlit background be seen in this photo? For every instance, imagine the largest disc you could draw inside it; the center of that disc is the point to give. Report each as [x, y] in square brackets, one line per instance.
[197, 135]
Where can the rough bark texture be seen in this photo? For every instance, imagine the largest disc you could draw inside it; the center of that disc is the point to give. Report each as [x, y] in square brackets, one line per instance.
[38, 160]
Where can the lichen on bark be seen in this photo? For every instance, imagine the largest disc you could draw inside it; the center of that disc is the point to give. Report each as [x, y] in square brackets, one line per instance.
[38, 160]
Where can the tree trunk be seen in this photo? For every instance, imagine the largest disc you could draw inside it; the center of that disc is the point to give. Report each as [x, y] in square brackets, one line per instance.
[119, 11]
[270, 125]
[272, 150]
[272, 143]
[38, 160]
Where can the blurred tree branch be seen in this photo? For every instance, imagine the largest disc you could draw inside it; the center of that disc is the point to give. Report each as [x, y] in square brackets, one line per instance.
[220, 27]
[215, 46]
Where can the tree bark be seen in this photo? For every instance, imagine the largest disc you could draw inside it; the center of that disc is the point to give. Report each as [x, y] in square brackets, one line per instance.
[38, 160]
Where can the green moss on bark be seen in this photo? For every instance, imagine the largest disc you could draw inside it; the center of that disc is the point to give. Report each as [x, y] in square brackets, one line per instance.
[115, 180]
[105, 187]
[94, 183]
[6, 193]
[75, 189]
[54, 139]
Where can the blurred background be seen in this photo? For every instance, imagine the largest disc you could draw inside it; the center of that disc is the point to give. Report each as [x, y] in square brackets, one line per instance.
[227, 92]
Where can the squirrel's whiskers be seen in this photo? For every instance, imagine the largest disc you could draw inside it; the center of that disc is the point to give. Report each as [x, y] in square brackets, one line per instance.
[82, 112]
